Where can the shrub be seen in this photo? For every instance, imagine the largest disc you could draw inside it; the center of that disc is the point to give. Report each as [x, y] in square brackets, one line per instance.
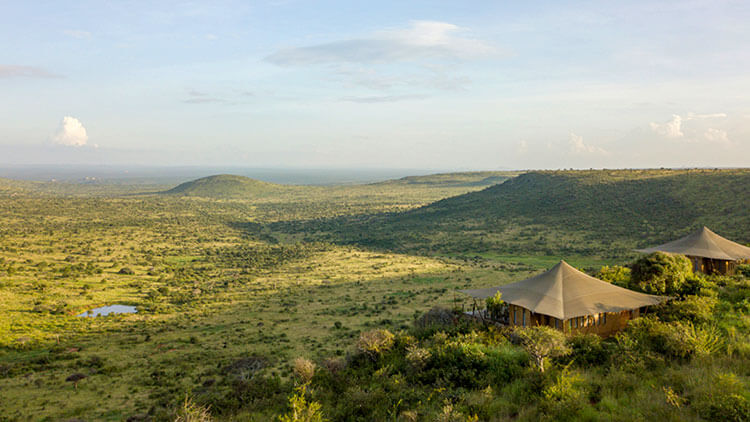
[192, 412]
[565, 397]
[615, 274]
[304, 369]
[661, 273]
[495, 306]
[670, 339]
[722, 398]
[126, 271]
[697, 309]
[417, 356]
[542, 342]
[374, 343]
[588, 349]
[301, 410]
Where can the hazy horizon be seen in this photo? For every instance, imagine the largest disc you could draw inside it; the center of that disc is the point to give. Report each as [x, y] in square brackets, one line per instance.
[415, 85]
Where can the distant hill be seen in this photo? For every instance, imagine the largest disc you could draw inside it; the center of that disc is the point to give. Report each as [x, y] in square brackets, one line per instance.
[465, 179]
[559, 212]
[225, 186]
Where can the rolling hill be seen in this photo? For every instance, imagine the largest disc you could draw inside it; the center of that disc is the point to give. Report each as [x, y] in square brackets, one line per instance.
[565, 212]
[225, 186]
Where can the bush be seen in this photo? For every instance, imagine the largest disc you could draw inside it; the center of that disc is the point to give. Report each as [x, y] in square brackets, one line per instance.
[723, 398]
[565, 397]
[615, 274]
[697, 309]
[192, 412]
[374, 343]
[660, 273]
[304, 369]
[588, 349]
[301, 410]
[126, 271]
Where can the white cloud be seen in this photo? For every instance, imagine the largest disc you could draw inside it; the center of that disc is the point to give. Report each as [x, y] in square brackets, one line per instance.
[421, 40]
[717, 136]
[384, 98]
[71, 132]
[16, 71]
[77, 33]
[671, 129]
[691, 116]
[577, 146]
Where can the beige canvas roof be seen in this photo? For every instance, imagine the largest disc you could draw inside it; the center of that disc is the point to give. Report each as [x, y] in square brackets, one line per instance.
[564, 292]
[704, 243]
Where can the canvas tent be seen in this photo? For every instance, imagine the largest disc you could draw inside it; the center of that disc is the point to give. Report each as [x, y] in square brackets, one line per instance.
[709, 252]
[570, 300]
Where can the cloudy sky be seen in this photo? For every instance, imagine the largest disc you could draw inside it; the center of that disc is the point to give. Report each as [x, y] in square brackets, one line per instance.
[391, 84]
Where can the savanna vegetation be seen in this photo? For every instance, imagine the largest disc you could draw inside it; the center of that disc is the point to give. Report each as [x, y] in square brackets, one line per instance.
[271, 302]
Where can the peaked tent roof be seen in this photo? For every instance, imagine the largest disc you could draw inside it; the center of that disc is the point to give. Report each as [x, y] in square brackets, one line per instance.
[704, 243]
[564, 292]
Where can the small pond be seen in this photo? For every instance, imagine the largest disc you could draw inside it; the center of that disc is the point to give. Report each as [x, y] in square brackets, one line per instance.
[109, 310]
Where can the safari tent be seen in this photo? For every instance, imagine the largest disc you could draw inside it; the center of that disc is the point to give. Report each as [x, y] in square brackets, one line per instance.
[709, 252]
[569, 300]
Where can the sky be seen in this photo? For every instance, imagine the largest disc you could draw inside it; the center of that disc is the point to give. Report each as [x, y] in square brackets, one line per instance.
[389, 84]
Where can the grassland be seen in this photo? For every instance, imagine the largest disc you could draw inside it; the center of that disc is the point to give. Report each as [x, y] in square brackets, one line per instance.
[242, 283]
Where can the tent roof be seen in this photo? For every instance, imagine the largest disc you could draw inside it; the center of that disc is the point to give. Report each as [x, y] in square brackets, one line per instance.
[704, 243]
[564, 292]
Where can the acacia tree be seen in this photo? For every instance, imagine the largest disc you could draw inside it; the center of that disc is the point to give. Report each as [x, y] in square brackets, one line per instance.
[543, 342]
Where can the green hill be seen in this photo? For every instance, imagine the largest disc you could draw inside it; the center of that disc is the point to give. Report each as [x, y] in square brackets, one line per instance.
[465, 179]
[565, 212]
[225, 186]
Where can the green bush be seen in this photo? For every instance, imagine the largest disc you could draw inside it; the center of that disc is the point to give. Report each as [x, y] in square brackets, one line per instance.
[723, 398]
[660, 273]
[374, 343]
[697, 309]
[588, 349]
[615, 274]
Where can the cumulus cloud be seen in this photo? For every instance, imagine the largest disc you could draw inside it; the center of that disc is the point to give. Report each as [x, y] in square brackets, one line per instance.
[71, 132]
[421, 40]
[671, 129]
[16, 71]
[717, 136]
[577, 146]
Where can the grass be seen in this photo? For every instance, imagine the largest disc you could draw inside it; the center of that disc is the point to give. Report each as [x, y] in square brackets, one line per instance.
[222, 280]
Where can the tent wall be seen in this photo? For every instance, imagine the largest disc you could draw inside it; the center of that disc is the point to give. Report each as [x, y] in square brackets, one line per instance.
[601, 324]
[712, 266]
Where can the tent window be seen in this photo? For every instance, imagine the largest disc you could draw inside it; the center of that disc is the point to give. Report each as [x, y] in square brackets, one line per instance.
[515, 316]
[557, 323]
[524, 317]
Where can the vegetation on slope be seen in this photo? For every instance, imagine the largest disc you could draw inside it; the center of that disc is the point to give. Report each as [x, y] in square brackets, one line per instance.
[561, 212]
[474, 178]
[225, 186]
[686, 360]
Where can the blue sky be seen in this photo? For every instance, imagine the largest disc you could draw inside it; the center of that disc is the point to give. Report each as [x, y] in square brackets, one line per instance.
[417, 84]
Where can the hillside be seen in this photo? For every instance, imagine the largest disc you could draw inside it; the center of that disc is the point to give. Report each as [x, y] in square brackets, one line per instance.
[225, 186]
[559, 212]
[464, 179]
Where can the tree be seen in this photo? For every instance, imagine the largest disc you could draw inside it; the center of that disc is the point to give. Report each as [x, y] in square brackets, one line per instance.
[543, 342]
[661, 273]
